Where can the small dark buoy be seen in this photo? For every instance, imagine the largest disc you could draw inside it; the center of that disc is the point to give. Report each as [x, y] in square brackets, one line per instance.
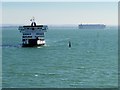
[69, 44]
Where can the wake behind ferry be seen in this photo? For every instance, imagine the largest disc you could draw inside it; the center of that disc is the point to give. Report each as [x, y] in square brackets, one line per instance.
[33, 35]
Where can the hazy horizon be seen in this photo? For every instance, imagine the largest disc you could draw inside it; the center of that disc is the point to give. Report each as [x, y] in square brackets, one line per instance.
[56, 24]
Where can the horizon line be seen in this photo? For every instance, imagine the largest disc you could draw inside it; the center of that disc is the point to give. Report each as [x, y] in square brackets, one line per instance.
[59, 24]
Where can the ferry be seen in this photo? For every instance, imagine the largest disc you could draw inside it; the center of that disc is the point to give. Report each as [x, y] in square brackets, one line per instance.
[33, 35]
[91, 26]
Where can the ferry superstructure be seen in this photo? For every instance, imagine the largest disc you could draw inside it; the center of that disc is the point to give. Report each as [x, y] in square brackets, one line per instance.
[33, 35]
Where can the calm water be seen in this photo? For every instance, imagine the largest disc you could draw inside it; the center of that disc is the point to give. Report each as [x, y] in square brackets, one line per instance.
[90, 62]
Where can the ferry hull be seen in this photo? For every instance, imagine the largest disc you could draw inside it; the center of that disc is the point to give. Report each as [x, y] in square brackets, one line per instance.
[32, 45]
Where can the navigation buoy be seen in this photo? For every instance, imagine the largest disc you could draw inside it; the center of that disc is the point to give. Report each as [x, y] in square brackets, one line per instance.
[69, 44]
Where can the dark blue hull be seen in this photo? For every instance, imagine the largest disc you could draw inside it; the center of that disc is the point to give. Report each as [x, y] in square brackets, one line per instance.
[32, 45]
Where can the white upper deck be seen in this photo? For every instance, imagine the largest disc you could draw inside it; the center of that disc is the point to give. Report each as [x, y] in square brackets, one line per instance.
[33, 27]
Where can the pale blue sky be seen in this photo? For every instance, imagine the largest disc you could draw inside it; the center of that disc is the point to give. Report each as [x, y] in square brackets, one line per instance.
[60, 12]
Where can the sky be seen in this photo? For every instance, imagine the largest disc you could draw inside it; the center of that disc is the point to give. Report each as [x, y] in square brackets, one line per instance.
[60, 12]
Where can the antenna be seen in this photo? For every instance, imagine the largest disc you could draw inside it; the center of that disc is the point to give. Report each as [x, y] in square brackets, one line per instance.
[33, 19]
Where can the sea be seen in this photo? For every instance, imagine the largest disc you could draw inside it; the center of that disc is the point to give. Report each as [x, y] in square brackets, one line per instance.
[90, 62]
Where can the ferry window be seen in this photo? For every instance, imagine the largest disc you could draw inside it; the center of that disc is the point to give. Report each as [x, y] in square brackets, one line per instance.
[32, 28]
[23, 36]
[29, 36]
[26, 33]
[23, 40]
[39, 33]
